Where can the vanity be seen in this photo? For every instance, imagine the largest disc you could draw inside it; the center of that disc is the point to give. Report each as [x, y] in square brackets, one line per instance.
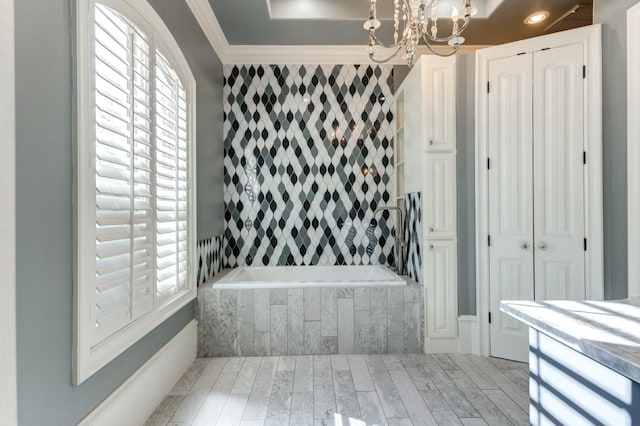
[584, 360]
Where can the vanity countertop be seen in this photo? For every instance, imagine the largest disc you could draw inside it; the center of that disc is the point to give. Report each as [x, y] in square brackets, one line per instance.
[608, 332]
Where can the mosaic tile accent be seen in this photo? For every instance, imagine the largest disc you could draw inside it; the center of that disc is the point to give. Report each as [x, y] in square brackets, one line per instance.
[268, 322]
[308, 158]
[209, 258]
[413, 235]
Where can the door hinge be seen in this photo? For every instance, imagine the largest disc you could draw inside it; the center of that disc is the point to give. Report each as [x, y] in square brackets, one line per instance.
[489, 317]
[585, 244]
[584, 71]
[584, 157]
[488, 86]
[489, 240]
[488, 163]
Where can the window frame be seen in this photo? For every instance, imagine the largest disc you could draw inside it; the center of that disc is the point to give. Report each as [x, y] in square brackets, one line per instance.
[88, 360]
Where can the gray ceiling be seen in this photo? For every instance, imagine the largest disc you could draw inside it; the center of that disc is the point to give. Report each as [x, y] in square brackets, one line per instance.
[250, 22]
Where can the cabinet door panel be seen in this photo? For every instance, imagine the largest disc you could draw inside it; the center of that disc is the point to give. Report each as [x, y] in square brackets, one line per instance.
[440, 199]
[440, 99]
[441, 290]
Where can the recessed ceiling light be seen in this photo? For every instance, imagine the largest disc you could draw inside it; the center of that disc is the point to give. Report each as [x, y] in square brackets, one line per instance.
[536, 17]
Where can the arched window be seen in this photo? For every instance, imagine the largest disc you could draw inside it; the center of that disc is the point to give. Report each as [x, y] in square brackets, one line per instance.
[135, 199]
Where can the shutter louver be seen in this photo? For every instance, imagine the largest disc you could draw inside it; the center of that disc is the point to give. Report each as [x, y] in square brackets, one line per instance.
[171, 181]
[123, 162]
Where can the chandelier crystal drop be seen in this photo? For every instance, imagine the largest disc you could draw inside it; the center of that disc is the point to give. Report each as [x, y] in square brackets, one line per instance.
[413, 22]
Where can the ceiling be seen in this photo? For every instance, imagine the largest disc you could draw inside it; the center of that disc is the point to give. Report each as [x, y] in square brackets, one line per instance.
[338, 22]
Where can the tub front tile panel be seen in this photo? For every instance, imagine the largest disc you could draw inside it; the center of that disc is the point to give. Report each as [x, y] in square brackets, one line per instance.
[246, 330]
[362, 298]
[346, 328]
[261, 309]
[379, 320]
[413, 235]
[374, 320]
[395, 298]
[411, 327]
[329, 312]
[328, 345]
[308, 158]
[279, 330]
[362, 330]
[311, 337]
[295, 311]
[278, 296]
[312, 304]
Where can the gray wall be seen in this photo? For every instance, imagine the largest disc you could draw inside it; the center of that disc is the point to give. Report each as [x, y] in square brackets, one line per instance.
[465, 134]
[44, 228]
[207, 70]
[613, 14]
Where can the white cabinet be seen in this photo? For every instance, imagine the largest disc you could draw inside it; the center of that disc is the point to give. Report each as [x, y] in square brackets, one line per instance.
[428, 140]
[440, 104]
[440, 196]
[442, 299]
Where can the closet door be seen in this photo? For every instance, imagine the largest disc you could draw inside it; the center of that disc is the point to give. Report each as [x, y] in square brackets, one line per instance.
[510, 199]
[558, 143]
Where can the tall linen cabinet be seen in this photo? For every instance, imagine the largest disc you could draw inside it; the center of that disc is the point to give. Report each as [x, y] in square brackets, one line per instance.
[426, 163]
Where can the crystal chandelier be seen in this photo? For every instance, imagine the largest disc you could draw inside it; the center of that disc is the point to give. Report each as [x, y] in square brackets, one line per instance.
[415, 26]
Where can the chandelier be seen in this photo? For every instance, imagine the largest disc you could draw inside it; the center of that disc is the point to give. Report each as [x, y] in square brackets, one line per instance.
[415, 26]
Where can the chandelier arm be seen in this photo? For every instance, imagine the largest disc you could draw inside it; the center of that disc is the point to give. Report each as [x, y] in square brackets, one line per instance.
[444, 55]
[386, 46]
[382, 61]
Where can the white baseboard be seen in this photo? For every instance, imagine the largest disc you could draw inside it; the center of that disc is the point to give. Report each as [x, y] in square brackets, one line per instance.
[134, 401]
[441, 346]
[469, 336]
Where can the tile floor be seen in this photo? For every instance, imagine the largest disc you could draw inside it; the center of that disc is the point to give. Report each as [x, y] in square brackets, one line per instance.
[349, 390]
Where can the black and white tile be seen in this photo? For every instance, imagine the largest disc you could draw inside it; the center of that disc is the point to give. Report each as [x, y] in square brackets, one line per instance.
[209, 258]
[308, 158]
[413, 235]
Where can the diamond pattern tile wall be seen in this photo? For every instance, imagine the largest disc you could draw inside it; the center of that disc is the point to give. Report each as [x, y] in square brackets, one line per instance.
[308, 158]
[413, 235]
[209, 258]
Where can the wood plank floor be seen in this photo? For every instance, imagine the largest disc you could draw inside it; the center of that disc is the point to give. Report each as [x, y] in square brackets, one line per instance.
[348, 390]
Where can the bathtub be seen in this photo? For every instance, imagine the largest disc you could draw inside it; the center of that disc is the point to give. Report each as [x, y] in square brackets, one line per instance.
[255, 277]
[313, 310]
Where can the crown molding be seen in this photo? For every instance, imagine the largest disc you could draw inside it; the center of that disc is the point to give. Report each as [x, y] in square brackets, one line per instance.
[203, 13]
[285, 54]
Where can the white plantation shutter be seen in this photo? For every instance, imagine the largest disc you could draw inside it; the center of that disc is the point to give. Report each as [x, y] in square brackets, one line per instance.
[141, 176]
[171, 181]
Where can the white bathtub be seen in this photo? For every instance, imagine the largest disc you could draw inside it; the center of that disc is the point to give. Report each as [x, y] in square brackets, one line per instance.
[308, 276]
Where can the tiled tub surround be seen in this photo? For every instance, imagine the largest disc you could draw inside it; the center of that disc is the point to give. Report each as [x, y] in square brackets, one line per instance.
[209, 258]
[413, 235]
[308, 158]
[315, 321]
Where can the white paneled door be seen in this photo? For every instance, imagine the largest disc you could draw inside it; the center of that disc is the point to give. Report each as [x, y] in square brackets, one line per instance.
[536, 186]
[510, 199]
[558, 145]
